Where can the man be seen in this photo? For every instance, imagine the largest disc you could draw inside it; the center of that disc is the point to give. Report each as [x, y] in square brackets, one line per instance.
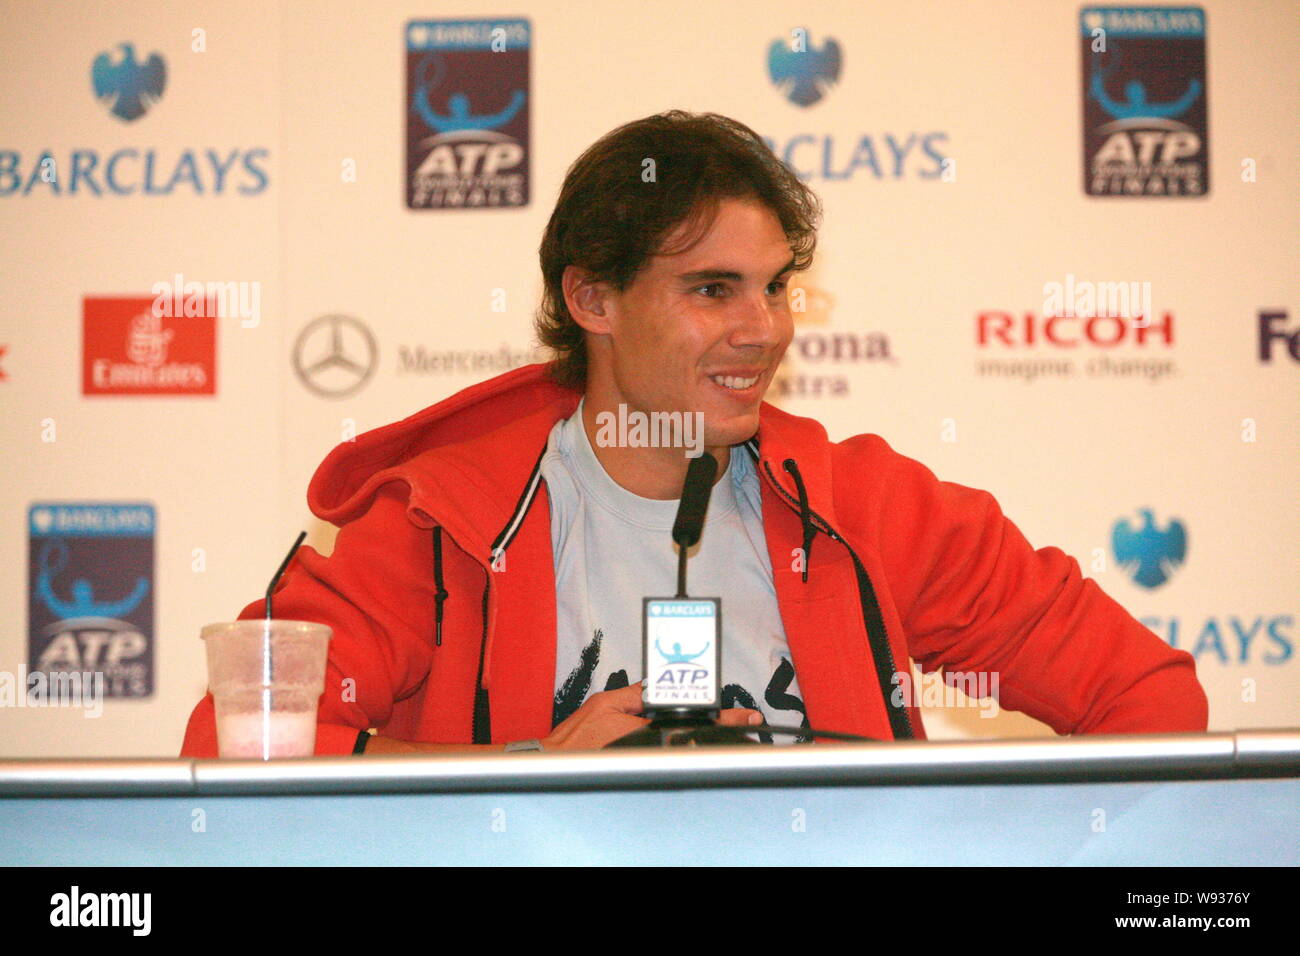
[485, 585]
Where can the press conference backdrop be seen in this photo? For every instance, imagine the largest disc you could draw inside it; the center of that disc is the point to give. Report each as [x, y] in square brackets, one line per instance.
[344, 253]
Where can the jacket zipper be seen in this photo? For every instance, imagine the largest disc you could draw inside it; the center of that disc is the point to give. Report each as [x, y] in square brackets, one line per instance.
[482, 726]
[441, 594]
[900, 722]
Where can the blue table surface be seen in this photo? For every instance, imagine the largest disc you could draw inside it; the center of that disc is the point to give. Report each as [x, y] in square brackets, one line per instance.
[1201, 823]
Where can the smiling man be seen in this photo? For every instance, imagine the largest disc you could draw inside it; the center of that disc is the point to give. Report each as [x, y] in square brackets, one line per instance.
[485, 587]
[700, 331]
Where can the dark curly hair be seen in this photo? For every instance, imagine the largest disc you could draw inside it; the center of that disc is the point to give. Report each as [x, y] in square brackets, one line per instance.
[610, 221]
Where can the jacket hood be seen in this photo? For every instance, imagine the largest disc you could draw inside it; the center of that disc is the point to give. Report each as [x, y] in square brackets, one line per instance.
[467, 458]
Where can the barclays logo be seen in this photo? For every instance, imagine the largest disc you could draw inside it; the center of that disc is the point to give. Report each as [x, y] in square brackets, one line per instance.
[1149, 554]
[803, 73]
[1230, 638]
[128, 86]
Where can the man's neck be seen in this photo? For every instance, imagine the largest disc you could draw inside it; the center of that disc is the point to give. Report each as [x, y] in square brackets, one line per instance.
[656, 473]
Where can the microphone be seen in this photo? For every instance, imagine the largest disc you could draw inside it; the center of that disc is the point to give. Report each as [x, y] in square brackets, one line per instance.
[689, 524]
[681, 691]
[695, 500]
[681, 647]
[680, 636]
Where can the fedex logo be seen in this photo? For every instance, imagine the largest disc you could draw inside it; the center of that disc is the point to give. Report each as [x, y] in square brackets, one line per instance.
[1271, 331]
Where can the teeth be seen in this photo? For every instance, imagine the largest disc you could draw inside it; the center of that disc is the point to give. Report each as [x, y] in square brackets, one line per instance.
[731, 381]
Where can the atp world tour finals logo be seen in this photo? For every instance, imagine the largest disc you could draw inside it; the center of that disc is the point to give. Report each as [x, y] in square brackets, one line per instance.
[467, 113]
[1144, 101]
[681, 652]
[90, 603]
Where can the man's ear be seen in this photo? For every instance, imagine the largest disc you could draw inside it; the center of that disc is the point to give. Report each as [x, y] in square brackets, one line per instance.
[588, 299]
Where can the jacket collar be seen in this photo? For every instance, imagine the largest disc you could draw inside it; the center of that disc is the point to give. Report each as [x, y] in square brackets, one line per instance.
[469, 460]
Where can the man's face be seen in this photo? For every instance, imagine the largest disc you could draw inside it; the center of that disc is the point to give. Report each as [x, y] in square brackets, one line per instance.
[704, 330]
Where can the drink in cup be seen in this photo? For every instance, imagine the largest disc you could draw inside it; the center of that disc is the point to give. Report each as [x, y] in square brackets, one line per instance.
[266, 678]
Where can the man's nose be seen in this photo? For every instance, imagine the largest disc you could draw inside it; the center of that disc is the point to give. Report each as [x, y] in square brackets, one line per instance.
[760, 321]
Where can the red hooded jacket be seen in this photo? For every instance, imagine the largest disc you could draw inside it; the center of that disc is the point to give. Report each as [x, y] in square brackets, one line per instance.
[441, 586]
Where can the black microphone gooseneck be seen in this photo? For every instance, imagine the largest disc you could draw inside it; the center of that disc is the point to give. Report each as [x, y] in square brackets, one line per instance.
[694, 729]
[687, 528]
[691, 510]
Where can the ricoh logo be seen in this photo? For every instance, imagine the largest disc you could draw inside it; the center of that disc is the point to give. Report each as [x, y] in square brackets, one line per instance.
[1059, 339]
[75, 908]
[994, 328]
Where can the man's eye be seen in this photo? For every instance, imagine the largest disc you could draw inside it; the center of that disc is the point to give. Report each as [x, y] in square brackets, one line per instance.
[711, 285]
[776, 287]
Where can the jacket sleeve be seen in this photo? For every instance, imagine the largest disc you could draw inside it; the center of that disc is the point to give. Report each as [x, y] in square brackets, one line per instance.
[375, 591]
[975, 597]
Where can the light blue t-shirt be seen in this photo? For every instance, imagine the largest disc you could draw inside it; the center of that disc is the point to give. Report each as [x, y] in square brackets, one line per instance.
[612, 548]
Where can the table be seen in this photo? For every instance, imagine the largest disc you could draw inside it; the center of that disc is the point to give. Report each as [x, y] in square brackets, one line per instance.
[1177, 799]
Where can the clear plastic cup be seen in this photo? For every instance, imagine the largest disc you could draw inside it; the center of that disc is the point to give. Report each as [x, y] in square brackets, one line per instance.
[266, 679]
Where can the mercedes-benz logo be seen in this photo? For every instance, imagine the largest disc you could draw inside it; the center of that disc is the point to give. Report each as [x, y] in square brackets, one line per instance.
[335, 355]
